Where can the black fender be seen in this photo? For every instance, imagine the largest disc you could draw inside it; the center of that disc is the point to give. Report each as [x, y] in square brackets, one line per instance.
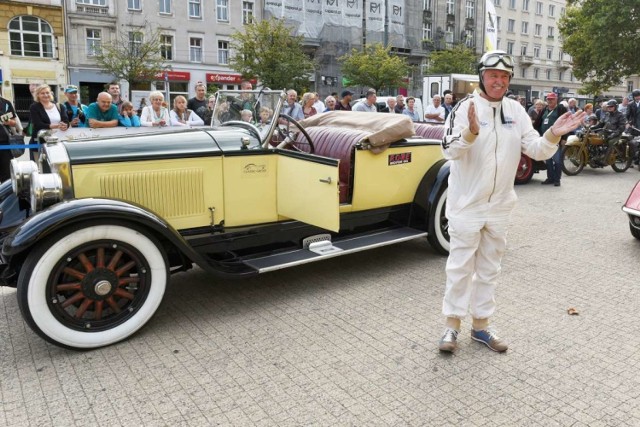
[68, 213]
[424, 200]
[13, 210]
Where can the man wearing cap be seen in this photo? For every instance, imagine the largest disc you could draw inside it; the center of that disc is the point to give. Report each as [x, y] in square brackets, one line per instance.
[544, 121]
[345, 101]
[485, 135]
[75, 110]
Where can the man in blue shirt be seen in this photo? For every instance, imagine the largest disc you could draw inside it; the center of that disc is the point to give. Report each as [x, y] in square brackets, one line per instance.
[102, 114]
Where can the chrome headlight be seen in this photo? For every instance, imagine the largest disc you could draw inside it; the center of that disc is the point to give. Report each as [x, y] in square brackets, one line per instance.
[21, 175]
[46, 189]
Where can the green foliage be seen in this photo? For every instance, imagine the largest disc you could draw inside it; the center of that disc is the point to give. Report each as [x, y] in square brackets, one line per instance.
[133, 62]
[374, 67]
[460, 60]
[267, 50]
[602, 36]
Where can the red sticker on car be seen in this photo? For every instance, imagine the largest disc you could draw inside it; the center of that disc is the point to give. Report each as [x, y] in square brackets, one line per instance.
[400, 158]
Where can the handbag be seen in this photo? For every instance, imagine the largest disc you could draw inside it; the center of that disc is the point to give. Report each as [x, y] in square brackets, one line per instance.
[14, 139]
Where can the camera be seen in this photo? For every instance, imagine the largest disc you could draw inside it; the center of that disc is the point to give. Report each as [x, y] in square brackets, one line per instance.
[81, 116]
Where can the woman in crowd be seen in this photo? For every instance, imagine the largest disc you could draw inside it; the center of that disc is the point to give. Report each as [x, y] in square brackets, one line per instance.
[308, 99]
[182, 116]
[128, 118]
[330, 102]
[156, 114]
[45, 114]
[588, 109]
[211, 106]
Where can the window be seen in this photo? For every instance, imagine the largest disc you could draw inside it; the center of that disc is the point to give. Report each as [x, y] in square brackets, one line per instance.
[195, 49]
[133, 5]
[195, 9]
[510, 48]
[451, 7]
[427, 31]
[222, 10]
[470, 10]
[539, 7]
[548, 74]
[498, 44]
[498, 21]
[166, 47]
[165, 6]
[536, 73]
[562, 11]
[223, 52]
[92, 2]
[552, 10]
[31, 36]
[550, 32]
[135, 41]
[247, 12]
[94, 42]
[549, 53]
[525, 27]
[630, 86]
[525, 5]
[536, 51]
[523, 50]
[448, 35]
[426, 4]
[523, 73]
[560, 75]
[538, 32]
[470, 39]
[512, 4]
[511, 23]
[496, 2]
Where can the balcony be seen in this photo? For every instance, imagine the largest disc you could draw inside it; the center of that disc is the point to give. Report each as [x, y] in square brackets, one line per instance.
[426, 15]
[563, 65]
[469, 23]
[451, 18]
[525, 60]
[92, 10]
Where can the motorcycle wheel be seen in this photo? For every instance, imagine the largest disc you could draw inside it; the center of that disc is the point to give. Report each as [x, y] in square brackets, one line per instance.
[525, 170]
[623, 160]
[573, 160]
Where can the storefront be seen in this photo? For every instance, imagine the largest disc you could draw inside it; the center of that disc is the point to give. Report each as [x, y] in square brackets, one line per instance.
[225, 81]
[172, 84]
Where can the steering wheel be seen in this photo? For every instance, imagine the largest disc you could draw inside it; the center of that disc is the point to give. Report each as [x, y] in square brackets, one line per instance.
[252, 128]
[289, 136]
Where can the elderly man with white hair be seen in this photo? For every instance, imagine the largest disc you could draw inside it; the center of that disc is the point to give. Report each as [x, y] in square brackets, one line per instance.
[435, 113]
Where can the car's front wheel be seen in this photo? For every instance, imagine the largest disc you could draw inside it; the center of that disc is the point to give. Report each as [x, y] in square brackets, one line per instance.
[92, 286]
[438, 233]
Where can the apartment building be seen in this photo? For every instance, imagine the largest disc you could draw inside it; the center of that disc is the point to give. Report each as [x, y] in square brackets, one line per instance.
[528, 29]
[195, 37]
[32, 49]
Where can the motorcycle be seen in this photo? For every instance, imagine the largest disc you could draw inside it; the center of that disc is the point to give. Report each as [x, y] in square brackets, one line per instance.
[589, 147]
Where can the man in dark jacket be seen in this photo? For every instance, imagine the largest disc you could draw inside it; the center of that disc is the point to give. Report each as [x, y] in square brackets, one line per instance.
[633, 112]
[614, 124]
[8, 119]
[544, 121]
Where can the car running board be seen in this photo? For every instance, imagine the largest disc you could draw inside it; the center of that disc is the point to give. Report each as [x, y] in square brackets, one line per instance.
[320, 247]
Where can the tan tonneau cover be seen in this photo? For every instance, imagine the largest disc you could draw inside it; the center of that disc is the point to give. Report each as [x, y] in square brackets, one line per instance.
[384, 128]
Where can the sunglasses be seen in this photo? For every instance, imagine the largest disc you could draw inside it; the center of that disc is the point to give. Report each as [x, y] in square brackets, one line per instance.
[495, 59]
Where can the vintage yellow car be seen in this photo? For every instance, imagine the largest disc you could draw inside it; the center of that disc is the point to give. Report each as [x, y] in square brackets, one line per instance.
[92, 232]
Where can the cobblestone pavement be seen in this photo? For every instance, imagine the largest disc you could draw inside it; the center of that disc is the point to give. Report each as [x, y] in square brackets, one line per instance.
[353, 341]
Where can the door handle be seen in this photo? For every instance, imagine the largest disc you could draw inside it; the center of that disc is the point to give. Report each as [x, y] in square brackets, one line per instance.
[326, 181]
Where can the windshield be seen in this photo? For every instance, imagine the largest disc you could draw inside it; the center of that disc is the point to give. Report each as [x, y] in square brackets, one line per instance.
[252, 106]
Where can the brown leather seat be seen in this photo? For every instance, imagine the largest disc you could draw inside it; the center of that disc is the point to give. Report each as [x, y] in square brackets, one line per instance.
[336, 143]
[428, 131]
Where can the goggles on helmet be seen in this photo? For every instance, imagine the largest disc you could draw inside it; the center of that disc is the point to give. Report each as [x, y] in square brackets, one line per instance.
[494, 59]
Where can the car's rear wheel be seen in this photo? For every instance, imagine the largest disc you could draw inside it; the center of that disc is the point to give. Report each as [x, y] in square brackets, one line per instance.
[92, 286]
[634, 232]
[438, 230]
[525, 170]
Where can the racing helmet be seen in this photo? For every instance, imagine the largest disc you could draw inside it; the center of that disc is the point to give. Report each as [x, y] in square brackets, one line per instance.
[495, 60]
[612, 103]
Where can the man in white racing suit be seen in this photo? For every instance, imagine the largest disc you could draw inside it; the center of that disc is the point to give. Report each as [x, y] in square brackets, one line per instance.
[485, 136]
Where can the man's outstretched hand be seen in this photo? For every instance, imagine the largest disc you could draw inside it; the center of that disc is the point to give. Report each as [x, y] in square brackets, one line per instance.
[567, 122]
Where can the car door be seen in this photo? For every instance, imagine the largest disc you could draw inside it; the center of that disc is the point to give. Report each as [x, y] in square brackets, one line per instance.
[307, 189]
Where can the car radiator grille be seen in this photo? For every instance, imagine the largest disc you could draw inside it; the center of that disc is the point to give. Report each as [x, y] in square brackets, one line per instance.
[173, 193]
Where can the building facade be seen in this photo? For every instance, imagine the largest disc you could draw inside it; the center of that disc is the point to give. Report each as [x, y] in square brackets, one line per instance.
[32, 49]
[195, 40]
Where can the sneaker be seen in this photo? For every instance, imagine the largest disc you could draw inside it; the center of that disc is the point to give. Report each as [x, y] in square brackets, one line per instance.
[449, 340]
[489, 338]
[547, 182]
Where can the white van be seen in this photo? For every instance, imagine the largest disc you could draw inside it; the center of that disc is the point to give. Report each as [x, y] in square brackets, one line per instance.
[382, 105]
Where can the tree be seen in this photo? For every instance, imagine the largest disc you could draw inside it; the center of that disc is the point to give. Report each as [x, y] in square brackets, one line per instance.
[602, 37]
[460, 59]
[374, 67]
[134, 56]
[267, 50]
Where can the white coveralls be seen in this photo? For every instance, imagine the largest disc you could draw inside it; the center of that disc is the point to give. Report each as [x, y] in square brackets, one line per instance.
[481, 196]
